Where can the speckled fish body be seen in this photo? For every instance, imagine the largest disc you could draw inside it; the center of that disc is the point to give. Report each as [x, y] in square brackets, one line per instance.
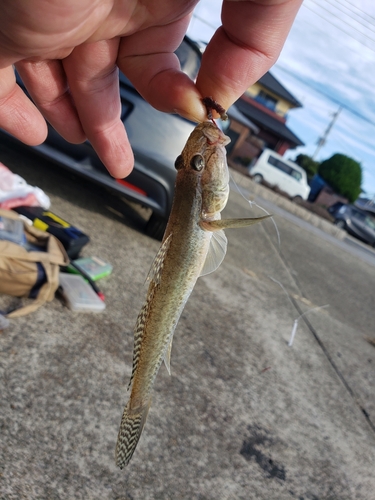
[194, 244]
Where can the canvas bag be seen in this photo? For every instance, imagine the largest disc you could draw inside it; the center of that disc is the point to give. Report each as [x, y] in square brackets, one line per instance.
[19, 267]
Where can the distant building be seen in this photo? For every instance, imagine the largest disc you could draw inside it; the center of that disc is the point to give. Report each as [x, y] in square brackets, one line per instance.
[266, 104]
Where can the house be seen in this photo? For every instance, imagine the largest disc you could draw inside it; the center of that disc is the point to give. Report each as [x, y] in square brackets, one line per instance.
[240, 130]
[266, 104]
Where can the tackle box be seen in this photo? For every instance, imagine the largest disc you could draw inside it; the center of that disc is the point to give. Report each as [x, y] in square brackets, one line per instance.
[71, 238]
[79, 295]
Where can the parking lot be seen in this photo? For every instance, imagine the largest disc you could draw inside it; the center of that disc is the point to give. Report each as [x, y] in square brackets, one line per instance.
[243, 415]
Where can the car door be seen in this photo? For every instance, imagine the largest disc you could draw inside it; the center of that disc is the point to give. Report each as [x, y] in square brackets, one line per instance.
[362, 225]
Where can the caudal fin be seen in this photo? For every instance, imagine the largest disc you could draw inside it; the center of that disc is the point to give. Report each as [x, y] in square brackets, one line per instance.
[131, 427]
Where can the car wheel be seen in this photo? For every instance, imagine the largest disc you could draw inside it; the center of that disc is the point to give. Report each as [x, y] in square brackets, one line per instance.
[258, 178]
[155, 226]
[297, 199]
[340, 223]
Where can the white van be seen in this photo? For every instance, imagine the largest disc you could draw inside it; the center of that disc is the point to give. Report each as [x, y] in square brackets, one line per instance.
[285, 174]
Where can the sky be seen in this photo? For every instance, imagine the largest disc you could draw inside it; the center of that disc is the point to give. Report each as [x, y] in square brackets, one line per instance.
[328, 64]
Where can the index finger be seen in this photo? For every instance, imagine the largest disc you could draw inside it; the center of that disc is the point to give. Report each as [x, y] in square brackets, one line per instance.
[245, 47]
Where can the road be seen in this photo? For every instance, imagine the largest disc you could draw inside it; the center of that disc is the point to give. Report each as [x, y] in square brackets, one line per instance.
[349, 243]
[243, 416]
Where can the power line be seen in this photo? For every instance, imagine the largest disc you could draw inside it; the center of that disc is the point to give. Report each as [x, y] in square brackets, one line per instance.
[352, 13]
[325, 94]
[337, 27]
[343, 21]
[359, 9]
[294, 75]
[337, 40]
[214, 27]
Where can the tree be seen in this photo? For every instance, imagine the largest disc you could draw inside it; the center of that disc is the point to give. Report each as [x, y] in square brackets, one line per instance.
[308, 164]
[343, 174]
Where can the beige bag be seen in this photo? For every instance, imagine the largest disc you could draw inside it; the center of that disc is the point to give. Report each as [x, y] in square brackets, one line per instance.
[20, 269]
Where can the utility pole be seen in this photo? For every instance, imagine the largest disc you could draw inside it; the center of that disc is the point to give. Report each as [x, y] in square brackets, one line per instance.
[322, 140]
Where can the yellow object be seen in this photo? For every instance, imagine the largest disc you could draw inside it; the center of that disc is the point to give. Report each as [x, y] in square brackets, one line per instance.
[39, 224]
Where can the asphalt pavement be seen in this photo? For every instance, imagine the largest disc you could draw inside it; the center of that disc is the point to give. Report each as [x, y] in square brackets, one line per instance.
[243, 415]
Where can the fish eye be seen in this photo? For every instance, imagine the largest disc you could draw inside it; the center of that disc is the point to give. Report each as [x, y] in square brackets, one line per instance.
[197, 162]
[179, 163]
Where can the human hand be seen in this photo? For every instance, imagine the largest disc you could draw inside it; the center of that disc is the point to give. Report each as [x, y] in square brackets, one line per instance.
[67, 53]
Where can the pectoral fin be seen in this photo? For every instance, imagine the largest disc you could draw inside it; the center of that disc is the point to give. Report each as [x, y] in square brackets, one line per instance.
[216, 252]
[217, 225]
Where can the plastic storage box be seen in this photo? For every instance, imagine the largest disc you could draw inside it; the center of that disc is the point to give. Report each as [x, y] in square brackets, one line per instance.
[12, 230]
[93, 267]
[78, 294]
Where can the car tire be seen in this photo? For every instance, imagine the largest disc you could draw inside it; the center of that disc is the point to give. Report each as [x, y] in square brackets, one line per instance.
[155, 226]
[340, 224]
[258, 178]
[297, 199]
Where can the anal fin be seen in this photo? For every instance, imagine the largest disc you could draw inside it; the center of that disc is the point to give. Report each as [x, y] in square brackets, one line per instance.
[167, 357]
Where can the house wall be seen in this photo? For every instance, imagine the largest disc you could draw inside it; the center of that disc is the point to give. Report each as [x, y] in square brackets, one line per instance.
[241, 150]
[282, 147]
[282, 106]
[327, 197]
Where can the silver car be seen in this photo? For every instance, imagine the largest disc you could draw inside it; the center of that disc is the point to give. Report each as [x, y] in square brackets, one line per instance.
[355, 221]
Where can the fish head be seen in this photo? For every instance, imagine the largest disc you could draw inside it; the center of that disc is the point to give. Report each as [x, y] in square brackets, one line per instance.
[204, 156]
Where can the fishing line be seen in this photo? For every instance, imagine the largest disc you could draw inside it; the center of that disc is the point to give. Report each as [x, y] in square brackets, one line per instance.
[253, 202]
[295, 324]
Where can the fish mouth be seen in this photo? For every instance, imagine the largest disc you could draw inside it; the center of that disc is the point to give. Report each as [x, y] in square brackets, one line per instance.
[214, 135]
[219, 140]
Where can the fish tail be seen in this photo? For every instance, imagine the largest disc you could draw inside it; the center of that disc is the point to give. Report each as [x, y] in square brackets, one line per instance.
[132, 423]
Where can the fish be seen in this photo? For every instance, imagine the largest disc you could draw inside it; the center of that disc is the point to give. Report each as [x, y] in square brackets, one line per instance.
[194, 244]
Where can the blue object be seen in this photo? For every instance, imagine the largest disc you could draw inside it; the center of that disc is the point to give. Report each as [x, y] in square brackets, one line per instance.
[316, 185]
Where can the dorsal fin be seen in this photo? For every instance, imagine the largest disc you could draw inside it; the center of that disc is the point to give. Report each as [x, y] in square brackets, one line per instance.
[158, 263]
[154, 279]
[216, 252]
[138, 333]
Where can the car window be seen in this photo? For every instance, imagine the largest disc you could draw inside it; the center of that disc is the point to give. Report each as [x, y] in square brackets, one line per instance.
[279, 164]
[297, 175]
[370, 222]
[126, 107]
[358, 215]
[337, 205]
[190, 59]
[364, 218]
